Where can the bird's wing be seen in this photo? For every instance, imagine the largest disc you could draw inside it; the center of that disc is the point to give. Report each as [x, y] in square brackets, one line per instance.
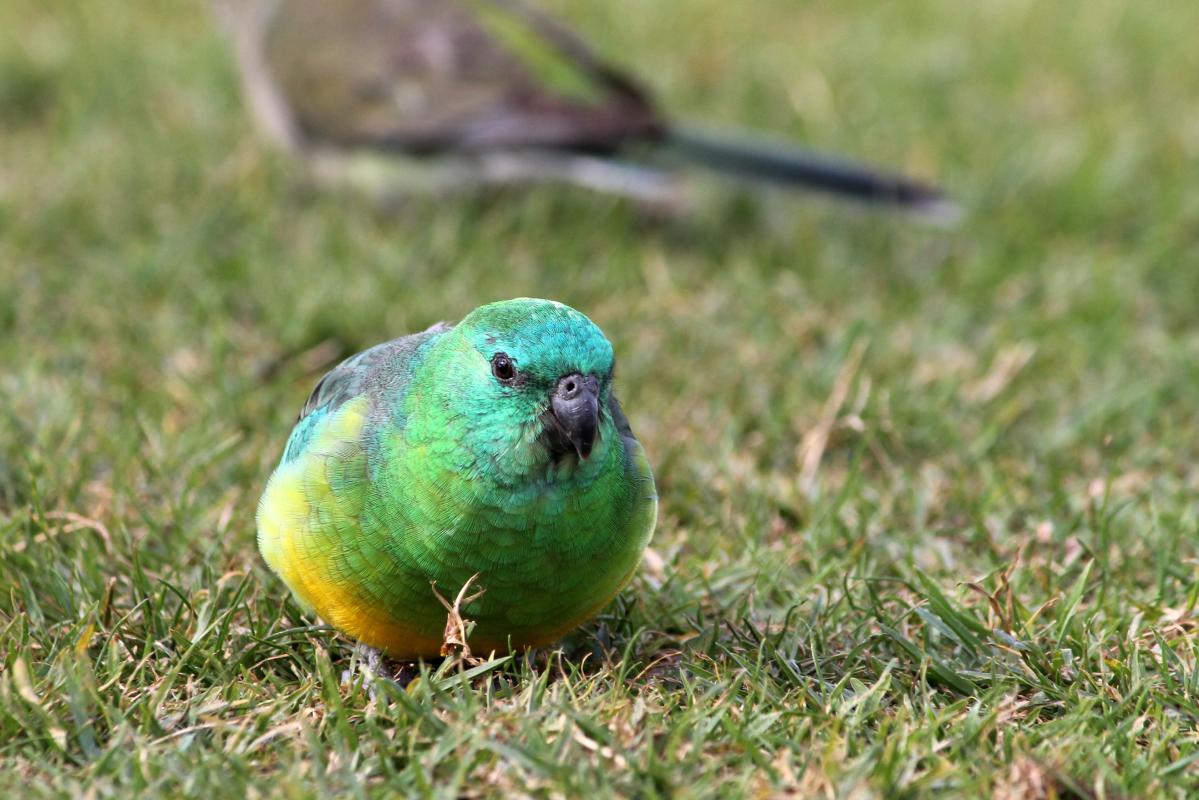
[639, 460]
[645, 502]
[563, 53]
[356, 376]
[310, 514]
[435, 75]
[619, 419]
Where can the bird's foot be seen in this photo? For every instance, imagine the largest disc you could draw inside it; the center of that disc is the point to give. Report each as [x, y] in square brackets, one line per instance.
[374, 667]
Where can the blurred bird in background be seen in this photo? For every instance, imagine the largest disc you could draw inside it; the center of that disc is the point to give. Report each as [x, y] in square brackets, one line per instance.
[399, 96]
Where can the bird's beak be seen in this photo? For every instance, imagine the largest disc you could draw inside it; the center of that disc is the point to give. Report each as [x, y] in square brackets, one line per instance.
[574, 406]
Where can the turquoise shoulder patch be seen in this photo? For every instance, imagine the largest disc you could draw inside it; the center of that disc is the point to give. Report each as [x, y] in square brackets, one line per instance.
[302, 434]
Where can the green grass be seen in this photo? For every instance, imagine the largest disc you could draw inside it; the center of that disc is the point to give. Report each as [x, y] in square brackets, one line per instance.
[928, 498]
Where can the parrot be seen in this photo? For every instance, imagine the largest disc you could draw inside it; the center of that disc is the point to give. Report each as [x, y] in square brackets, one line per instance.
[493, 449]
[497, 91]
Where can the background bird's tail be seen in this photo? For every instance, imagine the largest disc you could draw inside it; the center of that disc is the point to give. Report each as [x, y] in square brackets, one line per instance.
[748, 157]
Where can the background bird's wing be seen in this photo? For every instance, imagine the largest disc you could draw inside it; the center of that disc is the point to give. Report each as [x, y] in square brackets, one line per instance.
[429, 75]
[565, 55]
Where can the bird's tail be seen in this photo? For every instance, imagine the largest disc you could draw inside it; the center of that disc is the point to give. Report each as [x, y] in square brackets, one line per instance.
[748, 157]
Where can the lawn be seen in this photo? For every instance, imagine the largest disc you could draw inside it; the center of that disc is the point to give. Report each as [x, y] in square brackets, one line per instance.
[929, 520]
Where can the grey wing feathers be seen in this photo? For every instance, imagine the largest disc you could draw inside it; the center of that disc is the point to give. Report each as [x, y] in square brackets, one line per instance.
[340, 383]
[371, 370]
[357, 373]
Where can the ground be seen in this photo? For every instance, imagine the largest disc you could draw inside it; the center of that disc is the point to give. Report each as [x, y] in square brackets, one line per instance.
[928, 516]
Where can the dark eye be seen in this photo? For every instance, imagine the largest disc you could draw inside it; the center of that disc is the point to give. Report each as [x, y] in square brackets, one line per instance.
[503, 367]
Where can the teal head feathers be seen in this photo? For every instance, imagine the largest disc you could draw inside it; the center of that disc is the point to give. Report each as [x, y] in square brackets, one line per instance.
[528, 382]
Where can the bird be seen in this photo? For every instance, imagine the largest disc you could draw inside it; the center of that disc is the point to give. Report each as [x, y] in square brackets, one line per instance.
[497, 91]
[493, 451]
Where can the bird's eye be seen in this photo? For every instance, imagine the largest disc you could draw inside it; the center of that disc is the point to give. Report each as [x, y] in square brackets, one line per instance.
[503, 367]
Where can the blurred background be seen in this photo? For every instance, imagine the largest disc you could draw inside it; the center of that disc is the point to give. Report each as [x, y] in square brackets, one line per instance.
[823, 391]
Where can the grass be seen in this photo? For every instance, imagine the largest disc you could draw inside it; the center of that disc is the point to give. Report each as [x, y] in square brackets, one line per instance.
[928, 498]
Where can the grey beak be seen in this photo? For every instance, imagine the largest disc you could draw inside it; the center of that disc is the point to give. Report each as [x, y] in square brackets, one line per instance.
[575, 407]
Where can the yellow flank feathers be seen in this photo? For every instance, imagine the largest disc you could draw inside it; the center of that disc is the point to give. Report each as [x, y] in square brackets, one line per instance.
[287, 538]
[282, 516]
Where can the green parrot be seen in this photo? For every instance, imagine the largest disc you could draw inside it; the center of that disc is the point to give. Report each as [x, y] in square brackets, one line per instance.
[496, 91]
[493, 448]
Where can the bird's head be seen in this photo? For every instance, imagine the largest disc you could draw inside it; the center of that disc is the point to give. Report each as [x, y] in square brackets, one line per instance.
[528, 385]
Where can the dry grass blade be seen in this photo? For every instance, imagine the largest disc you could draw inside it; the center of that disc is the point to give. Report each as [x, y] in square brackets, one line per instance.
[815, 440]
[457, 629]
